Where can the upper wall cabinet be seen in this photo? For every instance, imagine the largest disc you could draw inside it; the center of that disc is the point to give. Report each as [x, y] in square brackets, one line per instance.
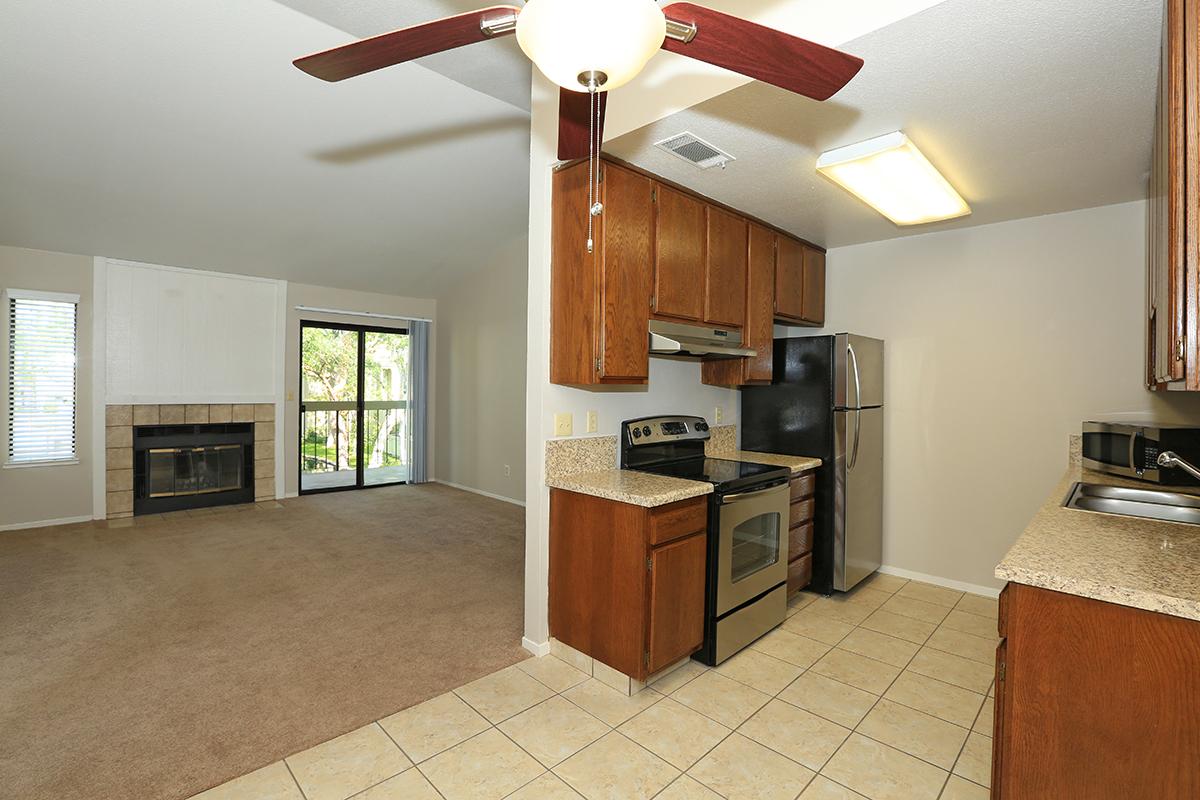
[679, 258]
[759, 331]
[600, 301]
[662, 251]
[725, 269]
[799, 283]
[1173, 309]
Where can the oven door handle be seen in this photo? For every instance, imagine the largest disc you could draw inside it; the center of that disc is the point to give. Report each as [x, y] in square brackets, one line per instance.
[741, 496]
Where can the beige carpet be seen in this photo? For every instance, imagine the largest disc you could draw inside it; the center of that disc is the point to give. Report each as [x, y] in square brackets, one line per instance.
[157, 660]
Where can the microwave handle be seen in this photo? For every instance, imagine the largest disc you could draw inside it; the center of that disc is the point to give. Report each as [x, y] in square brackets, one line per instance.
[1133, 441]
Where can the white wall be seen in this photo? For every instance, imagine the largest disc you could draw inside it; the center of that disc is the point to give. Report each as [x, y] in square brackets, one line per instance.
[29, 495]
[1001, 340]
[481, 377]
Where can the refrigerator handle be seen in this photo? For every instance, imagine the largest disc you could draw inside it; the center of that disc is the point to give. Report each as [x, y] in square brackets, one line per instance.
[857, 381]
[857, 435]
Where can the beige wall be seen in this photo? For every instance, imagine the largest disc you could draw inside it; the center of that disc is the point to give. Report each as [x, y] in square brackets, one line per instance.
[344, 300]
[1001, 339]
[35, 494]
[481, 377]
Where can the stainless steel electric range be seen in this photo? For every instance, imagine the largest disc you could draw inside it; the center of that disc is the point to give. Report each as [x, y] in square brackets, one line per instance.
[746, 593]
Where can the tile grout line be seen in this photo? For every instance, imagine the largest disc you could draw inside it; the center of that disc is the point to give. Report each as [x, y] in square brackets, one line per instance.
[288, 766]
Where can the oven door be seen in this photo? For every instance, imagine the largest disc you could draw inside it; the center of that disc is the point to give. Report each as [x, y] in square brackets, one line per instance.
[1129, 450]
[751, 546]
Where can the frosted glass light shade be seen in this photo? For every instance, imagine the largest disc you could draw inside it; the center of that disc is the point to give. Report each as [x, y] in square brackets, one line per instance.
[892, 176]
[568, 37]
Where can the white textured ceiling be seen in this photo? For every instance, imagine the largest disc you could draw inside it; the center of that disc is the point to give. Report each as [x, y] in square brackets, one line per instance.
[178, 132]
[1028, 107]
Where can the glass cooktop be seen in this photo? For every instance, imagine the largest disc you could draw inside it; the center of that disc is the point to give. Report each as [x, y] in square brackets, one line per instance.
[722, 473]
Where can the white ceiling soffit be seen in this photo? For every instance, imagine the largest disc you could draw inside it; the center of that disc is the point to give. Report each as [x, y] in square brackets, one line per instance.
[180, 133]
[497, 68]
[1027, 107]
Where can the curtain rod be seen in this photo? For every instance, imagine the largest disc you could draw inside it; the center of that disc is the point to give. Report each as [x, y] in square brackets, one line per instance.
[362, 314]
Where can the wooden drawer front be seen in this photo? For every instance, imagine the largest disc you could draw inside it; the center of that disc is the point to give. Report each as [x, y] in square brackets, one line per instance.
[802, 511]
[800, 540]
[799, 573]
[678, 519]
[804, 485]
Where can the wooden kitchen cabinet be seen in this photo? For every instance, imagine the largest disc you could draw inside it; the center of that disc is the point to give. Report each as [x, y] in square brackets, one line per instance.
[1173, 310]
[800, 531]
[1094, 700]
[626, 582]
[759, 331]
[799, 283]
[599, 301]
[725, 256]
[679, 255]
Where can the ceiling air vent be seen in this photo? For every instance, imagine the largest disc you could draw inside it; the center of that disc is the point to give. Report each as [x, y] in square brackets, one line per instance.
[694, 150]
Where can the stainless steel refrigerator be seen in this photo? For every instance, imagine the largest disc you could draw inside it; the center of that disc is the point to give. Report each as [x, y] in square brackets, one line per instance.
[826, 400]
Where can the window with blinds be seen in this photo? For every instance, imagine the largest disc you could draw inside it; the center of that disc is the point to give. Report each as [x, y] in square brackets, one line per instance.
[42, 363]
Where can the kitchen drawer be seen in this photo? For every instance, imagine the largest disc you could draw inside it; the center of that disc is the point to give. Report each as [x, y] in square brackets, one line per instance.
[804, 485]
[678, 519]
[800, 540]
[802, 511]
[799, 573]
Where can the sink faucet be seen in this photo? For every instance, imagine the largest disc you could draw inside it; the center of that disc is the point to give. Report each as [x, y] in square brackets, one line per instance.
[1167, 458]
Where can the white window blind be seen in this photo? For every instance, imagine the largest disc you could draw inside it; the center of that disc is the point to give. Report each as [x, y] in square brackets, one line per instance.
[41, 376]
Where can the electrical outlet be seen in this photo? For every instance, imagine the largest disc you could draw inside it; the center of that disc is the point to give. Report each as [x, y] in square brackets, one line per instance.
[562, 424]
[507, 471]
[718, 415]
[592, 421]
[291, 395]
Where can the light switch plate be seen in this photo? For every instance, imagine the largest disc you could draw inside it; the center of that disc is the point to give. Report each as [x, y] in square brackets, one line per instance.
[718, 415]
[562, 424]
[592, 421]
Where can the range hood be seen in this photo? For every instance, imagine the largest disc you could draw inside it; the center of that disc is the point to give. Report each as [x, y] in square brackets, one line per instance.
[679, 339]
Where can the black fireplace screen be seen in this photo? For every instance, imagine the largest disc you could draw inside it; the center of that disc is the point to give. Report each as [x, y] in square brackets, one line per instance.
[175, 471]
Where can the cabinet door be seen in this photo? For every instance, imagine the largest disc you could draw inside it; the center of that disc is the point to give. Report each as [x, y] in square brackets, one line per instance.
[789, 278]
[725, 271]
[813, 298]
[678, 255]
[676, 601]
[759, 332]
[625, 283]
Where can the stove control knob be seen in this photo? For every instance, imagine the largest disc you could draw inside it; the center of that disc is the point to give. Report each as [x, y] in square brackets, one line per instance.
[645, 430]
[637, 433]
[701, 426]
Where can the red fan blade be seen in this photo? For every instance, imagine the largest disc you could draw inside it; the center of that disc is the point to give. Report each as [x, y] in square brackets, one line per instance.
[762, 53]
[574, 108]
[406, 44]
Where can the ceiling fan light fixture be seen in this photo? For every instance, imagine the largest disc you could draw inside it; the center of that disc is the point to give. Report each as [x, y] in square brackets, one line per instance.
[892, 176]
[574, 41]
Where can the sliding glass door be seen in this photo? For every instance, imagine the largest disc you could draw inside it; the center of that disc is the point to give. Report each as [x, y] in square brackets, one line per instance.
[354, 413]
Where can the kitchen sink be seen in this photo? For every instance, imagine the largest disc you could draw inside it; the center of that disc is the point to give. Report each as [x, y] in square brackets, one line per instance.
[1145, 503]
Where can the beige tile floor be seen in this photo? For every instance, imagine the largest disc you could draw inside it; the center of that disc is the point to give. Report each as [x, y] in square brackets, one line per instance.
[884, 693]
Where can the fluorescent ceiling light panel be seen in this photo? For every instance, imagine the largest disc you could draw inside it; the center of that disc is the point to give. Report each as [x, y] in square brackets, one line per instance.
[892, 176]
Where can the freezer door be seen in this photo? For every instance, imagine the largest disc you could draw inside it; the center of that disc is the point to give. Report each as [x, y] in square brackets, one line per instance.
[858, 368]
[858, 496]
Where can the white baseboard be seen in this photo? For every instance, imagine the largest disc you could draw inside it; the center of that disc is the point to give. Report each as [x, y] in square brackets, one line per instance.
[537, 649]
[473, 490]
[46, 523]
[962, 586]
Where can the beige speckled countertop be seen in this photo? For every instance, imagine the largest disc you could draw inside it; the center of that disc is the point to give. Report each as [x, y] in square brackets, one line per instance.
[797, 464]
[630, 486]
[1125, 560]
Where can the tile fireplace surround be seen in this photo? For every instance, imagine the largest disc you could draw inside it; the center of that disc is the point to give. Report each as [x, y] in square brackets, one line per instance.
[119, 423]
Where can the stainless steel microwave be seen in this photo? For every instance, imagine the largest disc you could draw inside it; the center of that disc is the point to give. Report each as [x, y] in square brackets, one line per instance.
[1131, 449]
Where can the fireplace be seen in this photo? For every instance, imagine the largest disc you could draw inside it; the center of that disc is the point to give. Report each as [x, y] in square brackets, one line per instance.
[192, 466]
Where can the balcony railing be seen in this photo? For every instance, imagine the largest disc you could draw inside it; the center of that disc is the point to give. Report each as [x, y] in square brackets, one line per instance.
[329, 438]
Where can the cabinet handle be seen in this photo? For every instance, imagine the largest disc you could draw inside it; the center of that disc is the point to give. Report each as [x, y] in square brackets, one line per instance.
[1180, 347]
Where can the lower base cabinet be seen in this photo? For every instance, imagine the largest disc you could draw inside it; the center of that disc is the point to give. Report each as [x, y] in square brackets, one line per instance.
[800, 531]
[626, 582]
[1094, 701]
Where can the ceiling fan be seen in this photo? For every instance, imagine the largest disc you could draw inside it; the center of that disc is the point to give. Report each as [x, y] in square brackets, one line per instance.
[589, 47]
